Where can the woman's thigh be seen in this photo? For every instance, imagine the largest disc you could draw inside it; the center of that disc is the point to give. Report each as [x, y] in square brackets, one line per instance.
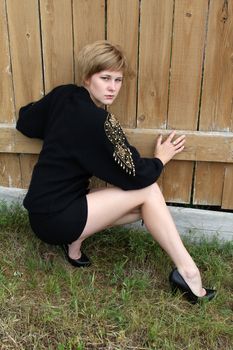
[108, 205]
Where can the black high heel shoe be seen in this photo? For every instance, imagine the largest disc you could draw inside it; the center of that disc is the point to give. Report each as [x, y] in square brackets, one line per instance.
[177, 282]
[83, 261]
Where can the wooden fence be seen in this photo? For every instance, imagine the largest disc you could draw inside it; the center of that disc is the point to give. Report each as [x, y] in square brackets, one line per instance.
[182, 53]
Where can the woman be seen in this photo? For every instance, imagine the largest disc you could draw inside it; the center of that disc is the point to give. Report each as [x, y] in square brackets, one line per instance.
[82, 139]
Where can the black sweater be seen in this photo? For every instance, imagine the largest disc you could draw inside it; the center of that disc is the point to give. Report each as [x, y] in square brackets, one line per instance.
[80, 140]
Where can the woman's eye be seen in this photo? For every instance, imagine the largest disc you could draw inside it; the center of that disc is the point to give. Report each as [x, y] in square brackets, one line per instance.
[108, 78]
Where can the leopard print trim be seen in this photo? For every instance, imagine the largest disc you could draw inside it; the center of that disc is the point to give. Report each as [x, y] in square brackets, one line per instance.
[116, 136]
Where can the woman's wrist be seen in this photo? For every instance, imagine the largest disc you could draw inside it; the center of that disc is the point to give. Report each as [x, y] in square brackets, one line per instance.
[161, 160]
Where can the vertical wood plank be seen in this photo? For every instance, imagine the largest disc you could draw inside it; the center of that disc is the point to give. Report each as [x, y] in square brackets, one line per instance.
[208, 183]
[227, 199]
[10, 174]
[122, 29]
[173, 188]
[186, 65]
[7, 112]
[56, 23]
[23, 19]
[89, 22]
[177, 181]
[154, 62]
[216, 106]
[185, 82]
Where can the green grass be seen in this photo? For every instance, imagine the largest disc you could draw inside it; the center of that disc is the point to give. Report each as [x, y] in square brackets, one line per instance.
[123, 301]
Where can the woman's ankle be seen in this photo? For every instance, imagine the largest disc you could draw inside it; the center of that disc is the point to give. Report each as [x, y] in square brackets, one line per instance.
[74, 250]
[192, 277]
[189, 272]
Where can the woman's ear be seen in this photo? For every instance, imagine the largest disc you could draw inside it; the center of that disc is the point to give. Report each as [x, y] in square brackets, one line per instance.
[86, 82]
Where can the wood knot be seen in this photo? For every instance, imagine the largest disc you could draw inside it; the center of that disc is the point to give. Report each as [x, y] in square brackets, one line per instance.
[224, 19]
[225, 12]
[141, 118]
[188, 14]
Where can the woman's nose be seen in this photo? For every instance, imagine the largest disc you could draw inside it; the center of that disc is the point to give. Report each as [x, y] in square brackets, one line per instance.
[112, 85]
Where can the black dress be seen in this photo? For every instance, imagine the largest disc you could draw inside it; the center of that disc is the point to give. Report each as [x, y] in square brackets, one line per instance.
[80, 140]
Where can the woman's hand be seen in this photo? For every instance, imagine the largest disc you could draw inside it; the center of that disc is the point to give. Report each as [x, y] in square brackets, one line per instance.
[166, 150]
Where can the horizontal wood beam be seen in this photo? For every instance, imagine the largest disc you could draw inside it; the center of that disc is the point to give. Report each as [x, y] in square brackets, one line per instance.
[203, 146]
[200, 146]
[12, 141]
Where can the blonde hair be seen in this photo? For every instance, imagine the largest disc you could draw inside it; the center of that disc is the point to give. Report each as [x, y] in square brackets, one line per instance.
[98, 56]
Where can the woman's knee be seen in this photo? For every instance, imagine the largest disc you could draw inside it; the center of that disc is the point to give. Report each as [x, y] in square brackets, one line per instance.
[154, 191]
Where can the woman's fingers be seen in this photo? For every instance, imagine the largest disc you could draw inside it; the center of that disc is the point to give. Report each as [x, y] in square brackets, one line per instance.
[159, 140]
[178, 140]
[179, 149]
[171, 135]
[179, 144]
[170, 138]
[170, 147]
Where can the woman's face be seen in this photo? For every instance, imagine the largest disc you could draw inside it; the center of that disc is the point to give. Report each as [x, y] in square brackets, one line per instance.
[104, 86]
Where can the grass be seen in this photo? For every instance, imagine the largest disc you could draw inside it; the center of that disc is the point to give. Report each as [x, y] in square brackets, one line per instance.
[123, 301]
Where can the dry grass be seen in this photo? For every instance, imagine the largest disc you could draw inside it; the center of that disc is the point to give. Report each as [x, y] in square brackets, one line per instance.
[121, 302]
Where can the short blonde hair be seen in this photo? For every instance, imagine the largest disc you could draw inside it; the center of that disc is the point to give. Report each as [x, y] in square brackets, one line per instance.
[98, 56]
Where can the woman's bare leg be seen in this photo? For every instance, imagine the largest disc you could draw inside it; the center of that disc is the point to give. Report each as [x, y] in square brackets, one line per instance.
[111, 205]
